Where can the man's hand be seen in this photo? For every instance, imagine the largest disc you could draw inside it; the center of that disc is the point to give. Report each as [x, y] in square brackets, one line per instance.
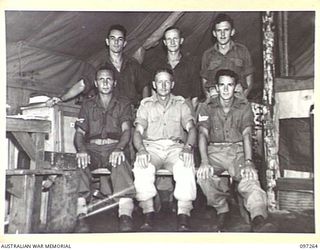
[83, 159]
[205, 171]
[248, 172]
[116, 157]
[187, 156]
[53, 101]
[143, 158]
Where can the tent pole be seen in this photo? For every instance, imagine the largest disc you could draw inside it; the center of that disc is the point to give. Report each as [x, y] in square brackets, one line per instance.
[283, 42]
[269, 130]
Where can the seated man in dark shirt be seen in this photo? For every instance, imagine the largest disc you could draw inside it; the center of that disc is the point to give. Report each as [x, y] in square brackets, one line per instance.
[103, 131]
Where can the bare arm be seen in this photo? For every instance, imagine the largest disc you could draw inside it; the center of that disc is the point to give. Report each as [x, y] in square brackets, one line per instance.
[117, 156]
[249, 80]
[83, 158]
[142, 157]
[75, 90]
[205, 170]
[248, 171]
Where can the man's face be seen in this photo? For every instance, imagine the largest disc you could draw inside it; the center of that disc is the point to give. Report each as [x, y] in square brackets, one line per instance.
[105, 82]
[163, 84]
[225, 87]
[116, 41]
[223, 32]
[172, 40]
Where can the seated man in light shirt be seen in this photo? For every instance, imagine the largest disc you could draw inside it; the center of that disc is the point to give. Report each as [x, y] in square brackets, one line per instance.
[158, 137]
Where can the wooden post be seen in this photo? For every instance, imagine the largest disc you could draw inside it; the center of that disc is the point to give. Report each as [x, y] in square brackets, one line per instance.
[283, 42]
[270, 144]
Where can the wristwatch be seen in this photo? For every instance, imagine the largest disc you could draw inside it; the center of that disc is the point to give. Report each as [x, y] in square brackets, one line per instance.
[189, 146]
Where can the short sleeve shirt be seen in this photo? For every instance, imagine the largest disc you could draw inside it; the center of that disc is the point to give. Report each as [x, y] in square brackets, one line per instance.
[99, 122]
[161, 122]
[237, 59]
[186, 75]
[130, 80]
[226, 127]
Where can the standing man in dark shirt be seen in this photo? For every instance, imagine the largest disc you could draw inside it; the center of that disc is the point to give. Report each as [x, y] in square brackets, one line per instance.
[130, 77]
[185, 71]
[103, 131]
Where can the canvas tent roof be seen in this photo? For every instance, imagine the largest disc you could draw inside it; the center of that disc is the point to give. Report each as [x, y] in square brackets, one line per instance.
[52, 49]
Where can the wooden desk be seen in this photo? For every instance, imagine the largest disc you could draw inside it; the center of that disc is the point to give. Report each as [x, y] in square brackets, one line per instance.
[27, 183]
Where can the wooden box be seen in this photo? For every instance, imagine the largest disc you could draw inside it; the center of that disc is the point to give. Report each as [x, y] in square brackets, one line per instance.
[62, 117]
[295, 194]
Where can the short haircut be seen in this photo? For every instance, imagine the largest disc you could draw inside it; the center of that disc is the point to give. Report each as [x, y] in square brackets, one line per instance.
[106, 68]
[226, 72]
[118, 27]
[167, 70]
[171, 28]
[222, 18]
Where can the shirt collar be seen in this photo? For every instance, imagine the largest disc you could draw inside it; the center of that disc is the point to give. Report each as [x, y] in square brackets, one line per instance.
[237, 102]
[232, 46]
[125, 60]
[97, 102]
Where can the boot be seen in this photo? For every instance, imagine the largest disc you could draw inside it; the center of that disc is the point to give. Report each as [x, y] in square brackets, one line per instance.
[183, 223]
[259, 225]
[125, 223]
[148, 222]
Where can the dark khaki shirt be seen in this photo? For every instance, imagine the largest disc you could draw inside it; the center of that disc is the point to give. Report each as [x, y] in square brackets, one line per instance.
[99, 122]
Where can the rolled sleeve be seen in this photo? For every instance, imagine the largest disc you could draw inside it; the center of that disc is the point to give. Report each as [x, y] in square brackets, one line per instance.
[203, 116]
[126, 114]
[186, 115]
[247, 118]
[248, 65]
[82, 121]
[142, 116]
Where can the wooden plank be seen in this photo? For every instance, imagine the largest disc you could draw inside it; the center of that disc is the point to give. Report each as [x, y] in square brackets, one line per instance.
[26, 143]
[21, 207]
[11, 172]
[32, 126]
[295, 184]
[283, 84]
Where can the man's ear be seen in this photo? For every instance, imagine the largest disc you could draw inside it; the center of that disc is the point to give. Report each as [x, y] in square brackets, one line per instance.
[217, 88]
[95, 83]
[181, 40]
[124, 44]
[172, 84]
[214, 33]
[154, 84]
[115, 83]
[164, 42]
[233, 31]
[107, 41]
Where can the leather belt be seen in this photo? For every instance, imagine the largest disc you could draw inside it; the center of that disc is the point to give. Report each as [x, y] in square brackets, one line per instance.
[103, 141]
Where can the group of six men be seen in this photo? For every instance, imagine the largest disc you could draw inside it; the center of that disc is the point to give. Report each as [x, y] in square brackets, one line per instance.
[166, 128]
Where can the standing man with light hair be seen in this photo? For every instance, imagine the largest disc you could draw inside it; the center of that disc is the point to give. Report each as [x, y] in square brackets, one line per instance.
[227, 54]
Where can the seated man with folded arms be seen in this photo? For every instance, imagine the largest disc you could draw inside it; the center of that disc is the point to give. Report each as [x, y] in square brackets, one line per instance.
[225, 127]
[103, 131]
[159, 130]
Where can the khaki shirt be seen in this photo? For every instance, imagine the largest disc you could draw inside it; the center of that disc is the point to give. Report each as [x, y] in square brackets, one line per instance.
[226, 127]
[161, 122]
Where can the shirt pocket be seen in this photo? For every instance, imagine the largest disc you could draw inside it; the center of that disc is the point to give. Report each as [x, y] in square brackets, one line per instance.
[213, 65]
[237, 62]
